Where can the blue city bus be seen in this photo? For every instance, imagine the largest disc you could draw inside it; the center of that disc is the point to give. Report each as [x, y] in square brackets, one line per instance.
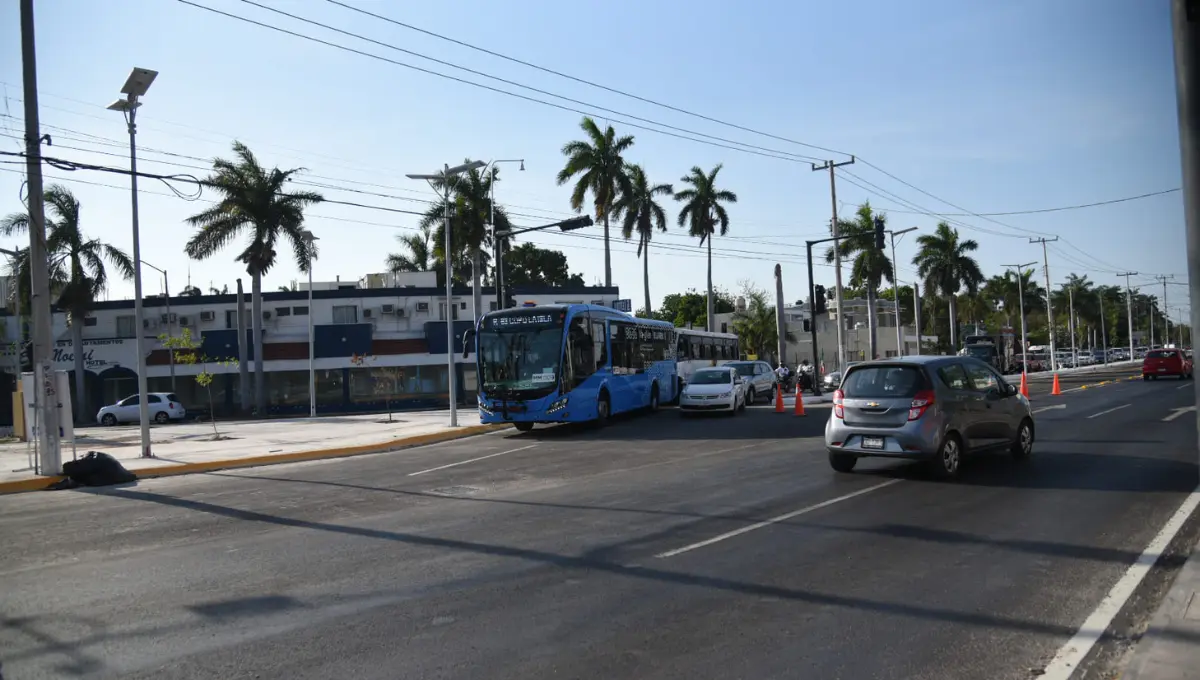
[571, 363]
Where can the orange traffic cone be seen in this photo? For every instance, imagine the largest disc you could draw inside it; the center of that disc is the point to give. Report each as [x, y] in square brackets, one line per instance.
[1055, 391]
[799, 402]
[1024, 385]
[778, 400]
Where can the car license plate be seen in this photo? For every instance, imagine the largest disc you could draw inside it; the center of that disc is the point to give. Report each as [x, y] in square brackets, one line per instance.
[1162, 369]
[872, 442]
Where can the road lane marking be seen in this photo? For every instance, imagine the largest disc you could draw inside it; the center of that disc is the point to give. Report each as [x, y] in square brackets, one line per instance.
[1178, 412]
[1184, 386]
[1048, 408]
[1115, 408]
[776, 520]
[1066, 661]
[473, 460]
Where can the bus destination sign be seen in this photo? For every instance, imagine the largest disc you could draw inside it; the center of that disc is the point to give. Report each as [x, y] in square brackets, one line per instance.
[522, 320]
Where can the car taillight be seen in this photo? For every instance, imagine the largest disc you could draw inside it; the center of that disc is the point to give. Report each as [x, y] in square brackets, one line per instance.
[920, 403]
[170, 404]
[838, 410]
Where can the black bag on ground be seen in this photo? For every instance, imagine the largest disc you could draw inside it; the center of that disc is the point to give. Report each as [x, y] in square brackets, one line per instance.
[97, 469]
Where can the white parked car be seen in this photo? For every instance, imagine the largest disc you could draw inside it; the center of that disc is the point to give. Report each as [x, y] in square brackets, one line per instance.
[713, 389]
[164, 407]
[759, 378]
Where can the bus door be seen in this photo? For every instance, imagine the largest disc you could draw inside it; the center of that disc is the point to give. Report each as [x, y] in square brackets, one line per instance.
[630, 385]
[584, 354]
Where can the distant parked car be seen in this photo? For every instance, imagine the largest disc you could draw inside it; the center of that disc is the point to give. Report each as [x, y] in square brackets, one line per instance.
[760, 379]
[164, 407]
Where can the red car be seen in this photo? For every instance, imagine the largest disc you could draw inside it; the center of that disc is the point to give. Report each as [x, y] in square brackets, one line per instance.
[1163, 362]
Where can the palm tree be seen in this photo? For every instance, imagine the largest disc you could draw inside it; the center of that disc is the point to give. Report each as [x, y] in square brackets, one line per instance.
[190, 291]
[471, 212]
[1076, 295]
[871, 265]
[756, 324]
[601, 170]
[702, 212]
[77, 269]
[639, 212]
[944, 265]
[419, 257]
[253, 199]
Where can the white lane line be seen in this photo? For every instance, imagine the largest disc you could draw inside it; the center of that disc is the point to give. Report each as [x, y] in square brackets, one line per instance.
[473, 460]
[1176, 412]
[776, 520]
[1115, 408]
[1048, 408]
[1066, 661]
[1184, 386]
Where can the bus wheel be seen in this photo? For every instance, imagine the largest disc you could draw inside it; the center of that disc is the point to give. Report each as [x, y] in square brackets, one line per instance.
[654, 398]
[603, 409]
[523, 427]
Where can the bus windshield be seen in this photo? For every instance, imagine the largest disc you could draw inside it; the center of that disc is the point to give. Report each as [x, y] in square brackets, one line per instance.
[520, 352]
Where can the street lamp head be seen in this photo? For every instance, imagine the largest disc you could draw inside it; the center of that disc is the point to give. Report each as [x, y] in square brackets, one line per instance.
[138, 82]
[123, 105]
[522, 168]
[425, 177]
[903, 231]
[308, 236]
[465, 167]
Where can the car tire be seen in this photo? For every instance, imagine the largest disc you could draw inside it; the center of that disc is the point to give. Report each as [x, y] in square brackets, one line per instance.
[603, 409]
[948, 462]
[162, 417]
[1022, 447]
[842, 462]
[750, 396]
[1145, 378]
[523, 427]
[108, 420]
[654, 398]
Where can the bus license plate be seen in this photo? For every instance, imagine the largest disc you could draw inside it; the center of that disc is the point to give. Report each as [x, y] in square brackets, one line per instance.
[872, 442]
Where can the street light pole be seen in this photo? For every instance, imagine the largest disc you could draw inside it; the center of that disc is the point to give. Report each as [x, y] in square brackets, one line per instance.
[497, 242]
[310, 238]
[167, 294]
[896, 294]
[447, 255]
[135, 86]
[1021, 305]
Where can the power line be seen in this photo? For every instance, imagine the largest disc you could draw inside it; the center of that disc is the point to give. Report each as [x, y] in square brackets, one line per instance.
[1078, 206]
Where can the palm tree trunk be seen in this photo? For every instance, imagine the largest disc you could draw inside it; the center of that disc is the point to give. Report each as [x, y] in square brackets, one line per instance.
[953, 324]
[607, 258]
[476, 291]
[81, 402]
[709, 325]
[646, 276]
[873, 337]
[260, 392]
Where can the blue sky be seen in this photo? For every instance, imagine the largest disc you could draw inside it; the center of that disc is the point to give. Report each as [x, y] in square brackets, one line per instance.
[992, 106]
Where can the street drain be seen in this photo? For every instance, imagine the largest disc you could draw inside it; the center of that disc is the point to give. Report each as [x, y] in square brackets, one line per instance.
[456, 491]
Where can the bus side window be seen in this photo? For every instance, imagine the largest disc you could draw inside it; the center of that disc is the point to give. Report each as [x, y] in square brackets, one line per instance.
[580, 351]
[599, 345]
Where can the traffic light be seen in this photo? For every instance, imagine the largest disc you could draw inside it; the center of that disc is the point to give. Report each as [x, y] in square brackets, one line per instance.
[818, 299]
[575, 223]
[879, 243]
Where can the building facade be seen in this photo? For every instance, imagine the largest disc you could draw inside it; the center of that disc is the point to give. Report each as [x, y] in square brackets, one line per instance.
[373, 347]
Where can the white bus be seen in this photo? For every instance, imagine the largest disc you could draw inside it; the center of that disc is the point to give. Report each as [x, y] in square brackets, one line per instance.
[699, 349]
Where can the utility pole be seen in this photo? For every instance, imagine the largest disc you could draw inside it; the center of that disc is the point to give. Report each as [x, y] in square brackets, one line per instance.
[896, 293]
[917, 314]
[1021, 309]
[45, 384]
[1071, 321]
[780, 324]
[1049, 306]
[1103, 331]
[1129, 308]
[837, 256]
[1166, 317]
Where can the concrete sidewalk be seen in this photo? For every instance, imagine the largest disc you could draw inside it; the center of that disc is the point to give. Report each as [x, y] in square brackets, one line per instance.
[187, 448]
[1170, 649]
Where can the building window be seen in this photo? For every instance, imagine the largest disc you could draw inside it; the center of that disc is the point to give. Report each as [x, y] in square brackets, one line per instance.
[300, 311]
[89, 321]
[127, 326]
[283, 311]
[345, 314]
[442, 311]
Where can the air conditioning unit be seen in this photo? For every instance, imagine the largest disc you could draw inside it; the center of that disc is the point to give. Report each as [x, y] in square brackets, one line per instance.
[184, 321]
[266, 316]
[400, 312]
[149, 323]
[367, 312]
[387, 309]
[422, 306]
[208, 316]
[168, 318]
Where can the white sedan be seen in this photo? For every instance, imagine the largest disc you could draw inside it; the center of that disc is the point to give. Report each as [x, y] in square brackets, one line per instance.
[713, 389]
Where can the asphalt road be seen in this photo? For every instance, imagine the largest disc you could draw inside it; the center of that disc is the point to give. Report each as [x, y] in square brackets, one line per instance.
[655, 548]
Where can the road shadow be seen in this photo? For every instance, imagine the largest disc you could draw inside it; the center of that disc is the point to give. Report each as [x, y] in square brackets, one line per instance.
[751, 424]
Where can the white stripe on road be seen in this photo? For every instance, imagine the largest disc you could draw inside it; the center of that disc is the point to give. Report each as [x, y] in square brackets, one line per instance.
[776, 520]
[1178, 412]
[464, 462]
[1115, 408]
[1048, 408]
[1066, 661]
[1184, 386]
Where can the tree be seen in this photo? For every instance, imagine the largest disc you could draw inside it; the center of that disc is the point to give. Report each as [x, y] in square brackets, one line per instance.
[471, 212]
[188, 353]
[944, 264]
[1077, 294]
[639, 212]
[385, 380]
[77, 269]
[702, 212]
[223, 290]
[871, 265]
[190, 291]
[253, 199]
[601, 170]
[687, 308]
[755, 325]
[419, 257]
[528, 265]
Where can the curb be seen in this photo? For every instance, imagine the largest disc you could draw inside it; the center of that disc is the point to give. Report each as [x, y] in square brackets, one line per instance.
[42, 483]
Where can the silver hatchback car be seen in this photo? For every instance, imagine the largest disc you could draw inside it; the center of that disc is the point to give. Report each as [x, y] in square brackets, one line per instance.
[930, 408]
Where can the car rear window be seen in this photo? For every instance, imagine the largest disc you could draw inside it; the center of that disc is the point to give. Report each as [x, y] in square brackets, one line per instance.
[882, 382]
[744, 369]
[710, 377]
[1160, 354]
[172, 397]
